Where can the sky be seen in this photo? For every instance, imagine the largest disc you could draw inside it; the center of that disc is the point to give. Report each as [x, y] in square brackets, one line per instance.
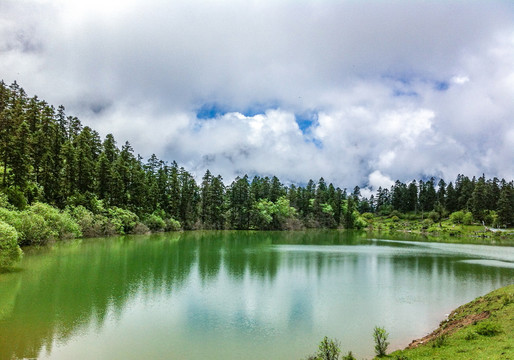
[358, 92]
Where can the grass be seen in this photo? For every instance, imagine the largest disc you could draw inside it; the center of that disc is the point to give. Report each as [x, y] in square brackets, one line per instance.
[481, 329]
[444, 231]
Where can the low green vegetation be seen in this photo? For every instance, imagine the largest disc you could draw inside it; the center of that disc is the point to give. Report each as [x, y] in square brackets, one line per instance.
[330, 349]
[10, 251]
[449, 229]
[380, 336]
[481, 329]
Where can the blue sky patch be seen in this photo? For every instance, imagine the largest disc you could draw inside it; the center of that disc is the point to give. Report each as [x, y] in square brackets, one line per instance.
[441, 85]
[306, 120]
[213, 110]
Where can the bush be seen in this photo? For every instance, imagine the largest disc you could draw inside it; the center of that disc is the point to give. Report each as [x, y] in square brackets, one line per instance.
[123, 220]
[488, 328]
[140, 229]
[10, 251]
[10, 217]
[471, 335]
[425, 224]
[349, 356]
[91, 225]
[328, 349]
[155, 223]
[380, 336]
[172, 225]
[434, 216]
[457, 217]
[33, 229]
[468, 218]
[60, 222]
[439, 341]
[368, 216]
[396, 213]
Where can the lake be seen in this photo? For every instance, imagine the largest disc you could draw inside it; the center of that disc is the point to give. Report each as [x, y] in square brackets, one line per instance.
[235, 295]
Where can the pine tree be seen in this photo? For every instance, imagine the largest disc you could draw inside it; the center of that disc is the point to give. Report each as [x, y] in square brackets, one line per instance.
[506, 204]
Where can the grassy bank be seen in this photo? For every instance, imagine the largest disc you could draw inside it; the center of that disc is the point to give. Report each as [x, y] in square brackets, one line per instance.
[441, 231]
[481, 329]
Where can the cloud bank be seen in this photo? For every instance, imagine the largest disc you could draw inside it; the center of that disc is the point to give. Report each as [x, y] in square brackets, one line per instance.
[357, 92]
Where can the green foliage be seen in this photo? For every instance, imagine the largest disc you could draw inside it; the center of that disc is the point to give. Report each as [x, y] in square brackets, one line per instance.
[380, 336]
[17, 198]
[155, 222]
[60, 222]
[457, 217]
[425, 224]
[10, 252]
[328, 349]
[488, 328]
[123, 220]
[33, 229]
[434, 216]
[468, 218]
[461, 217]
[348, 356]
[172, 225]
[491, 218]
[471, 335]
[49, 157]
[439, 341]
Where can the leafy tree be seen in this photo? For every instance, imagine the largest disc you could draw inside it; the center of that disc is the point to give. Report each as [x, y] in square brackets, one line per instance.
[329, 349]
[10, 252]
[380, 336]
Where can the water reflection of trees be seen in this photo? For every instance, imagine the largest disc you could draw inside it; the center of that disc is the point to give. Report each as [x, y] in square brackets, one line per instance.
[74, 286]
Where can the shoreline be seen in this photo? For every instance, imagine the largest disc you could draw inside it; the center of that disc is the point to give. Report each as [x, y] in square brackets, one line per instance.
[483, 326]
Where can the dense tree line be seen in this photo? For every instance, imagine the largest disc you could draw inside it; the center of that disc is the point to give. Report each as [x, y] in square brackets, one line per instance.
[47, 156]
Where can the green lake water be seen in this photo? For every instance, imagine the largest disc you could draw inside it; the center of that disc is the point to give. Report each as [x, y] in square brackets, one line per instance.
[235, 295]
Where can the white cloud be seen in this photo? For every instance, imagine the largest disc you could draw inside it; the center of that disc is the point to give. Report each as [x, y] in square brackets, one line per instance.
[460, 80]
[398, 90]
[377, 179]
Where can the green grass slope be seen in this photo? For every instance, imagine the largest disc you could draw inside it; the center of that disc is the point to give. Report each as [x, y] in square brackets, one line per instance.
[481, 329]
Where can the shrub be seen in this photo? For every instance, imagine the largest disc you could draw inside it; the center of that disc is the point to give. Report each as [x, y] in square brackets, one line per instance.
[380, 336]
[425, 224]
[471, 335]
[172, 225]
[33, 229]
[457, 217]
[328, 349]
[468, 218]
[368, 216]
[123, 220]
[396, 213]
[4, 202]
[349, 356]
[155, 223]
[439, 341]
[488, 328]
[60, 222]
[434, 216]
[395, 219]
[140, 229]
[91, 225]
[11, 217]
[10, 251]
